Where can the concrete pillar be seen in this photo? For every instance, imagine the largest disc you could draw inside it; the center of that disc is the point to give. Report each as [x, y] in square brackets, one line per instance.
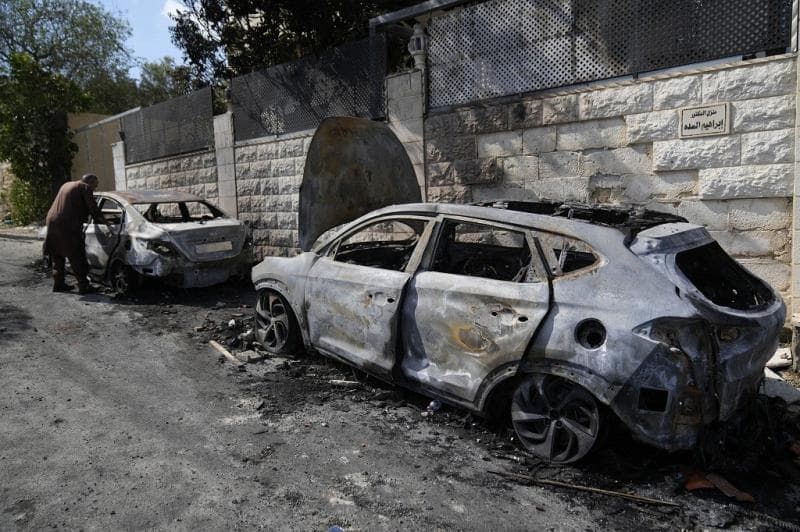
[118, 156]
[405, 111]
[226, 169]
[794, 317]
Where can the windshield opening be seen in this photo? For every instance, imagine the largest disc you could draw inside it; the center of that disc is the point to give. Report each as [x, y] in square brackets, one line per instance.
[178, 212]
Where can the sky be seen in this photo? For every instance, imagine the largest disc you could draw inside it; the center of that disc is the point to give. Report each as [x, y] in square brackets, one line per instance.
[150, 24]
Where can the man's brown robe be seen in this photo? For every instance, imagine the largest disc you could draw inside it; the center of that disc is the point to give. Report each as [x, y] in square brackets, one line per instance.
[72, 206]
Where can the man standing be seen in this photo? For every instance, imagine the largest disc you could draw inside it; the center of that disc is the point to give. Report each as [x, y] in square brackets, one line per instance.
[73, 204]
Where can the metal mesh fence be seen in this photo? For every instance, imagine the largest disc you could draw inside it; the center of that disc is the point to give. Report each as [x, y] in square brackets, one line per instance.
[503, 47]
[180, 125]
[347, 80]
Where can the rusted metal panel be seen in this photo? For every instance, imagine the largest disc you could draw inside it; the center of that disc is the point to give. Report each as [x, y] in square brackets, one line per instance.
[353, 166]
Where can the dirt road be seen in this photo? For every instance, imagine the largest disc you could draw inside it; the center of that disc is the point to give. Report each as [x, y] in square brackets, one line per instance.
[116, 414]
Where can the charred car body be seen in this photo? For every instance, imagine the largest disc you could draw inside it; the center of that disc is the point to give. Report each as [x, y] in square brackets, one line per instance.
[177, 237]
[570, 310]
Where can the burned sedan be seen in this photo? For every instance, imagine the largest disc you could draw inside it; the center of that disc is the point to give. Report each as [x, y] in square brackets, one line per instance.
[572, 312]
[177, 237]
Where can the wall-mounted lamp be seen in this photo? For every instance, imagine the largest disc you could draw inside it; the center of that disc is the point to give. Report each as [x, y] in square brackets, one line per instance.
[417, 46]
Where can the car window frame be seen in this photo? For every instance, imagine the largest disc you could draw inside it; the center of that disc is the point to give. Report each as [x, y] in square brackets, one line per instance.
[115, 202]
[575, 273]
[330, 250]
[538, 264]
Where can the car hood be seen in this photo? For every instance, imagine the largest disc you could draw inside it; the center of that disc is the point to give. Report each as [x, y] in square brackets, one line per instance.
[353, 166]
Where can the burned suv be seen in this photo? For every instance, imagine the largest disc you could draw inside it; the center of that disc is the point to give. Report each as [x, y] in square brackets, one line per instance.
[569, 311]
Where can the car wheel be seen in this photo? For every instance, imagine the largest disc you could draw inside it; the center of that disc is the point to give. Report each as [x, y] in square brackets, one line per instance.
[276, 328]
[122, 278]
[555, 419]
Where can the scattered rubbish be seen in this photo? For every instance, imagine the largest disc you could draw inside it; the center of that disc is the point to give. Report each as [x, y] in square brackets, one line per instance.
[237, 315]
[434, 406]
[782, 359]
[729, 489]
[779, 523]
[546, 482]
[227, 354]
[344, 384]
[336, 529]
[249, 356]
[260, 432]
[261, 405]
[232, 324]
[696, 480]
[199, 328]
[219, 305]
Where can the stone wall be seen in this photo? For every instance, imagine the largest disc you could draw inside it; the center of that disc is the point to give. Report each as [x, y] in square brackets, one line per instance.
[268, 176]
[195, 173]
[620, 143]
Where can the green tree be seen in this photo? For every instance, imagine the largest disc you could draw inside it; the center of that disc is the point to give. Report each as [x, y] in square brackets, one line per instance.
[224, 38]
[34, 137]
[162, 80]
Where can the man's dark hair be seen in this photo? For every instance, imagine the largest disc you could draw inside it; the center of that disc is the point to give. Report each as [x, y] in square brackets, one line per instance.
[88, 178]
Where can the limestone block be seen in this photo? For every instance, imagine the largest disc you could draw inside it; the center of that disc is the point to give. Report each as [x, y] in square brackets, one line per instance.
[750, 81]
[211, 190]
[482, 119]
[440, 174]
[442, 125]
[518, 170]
[647, 127]
[270, 186]
[768, 147]
[500, 144]
[451, 148]
[609, 133]
[248, 187]
[662, 186]
[685, 91]
[286, 220]
[711, 214]
[777, 274]
[526, 114]
[618, 101]
[405, 84]
[560, 189]
[405, 108]
[559, 164]
[501, 191]
[760, 214]
[243, 171]
[450, 194]
[539, 140]
[262, 168]
[408, 130]
[291, 148]
[245, 154]
[708, 152]
[282, 167]
[763, 114]
[619, 161]
[751, 243]
[560, 109]
[480, 171]
[764, 181]
[268, 150]
[288, 185]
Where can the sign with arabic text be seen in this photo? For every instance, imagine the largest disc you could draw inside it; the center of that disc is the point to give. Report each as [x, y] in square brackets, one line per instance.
[704, 121]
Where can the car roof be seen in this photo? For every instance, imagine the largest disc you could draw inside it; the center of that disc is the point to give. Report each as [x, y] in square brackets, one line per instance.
[150, 196]
[579, 220]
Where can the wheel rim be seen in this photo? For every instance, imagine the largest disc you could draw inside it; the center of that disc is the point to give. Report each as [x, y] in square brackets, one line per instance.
[555, 419]
[272, 321]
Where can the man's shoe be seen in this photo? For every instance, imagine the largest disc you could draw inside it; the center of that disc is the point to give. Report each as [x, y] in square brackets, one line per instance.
[62, 287]
[86, 289]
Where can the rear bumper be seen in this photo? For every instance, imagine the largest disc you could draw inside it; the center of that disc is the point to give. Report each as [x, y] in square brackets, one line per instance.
[186, 274]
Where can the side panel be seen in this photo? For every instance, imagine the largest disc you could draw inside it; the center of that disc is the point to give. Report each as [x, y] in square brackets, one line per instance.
[457, 329]
[352, 312]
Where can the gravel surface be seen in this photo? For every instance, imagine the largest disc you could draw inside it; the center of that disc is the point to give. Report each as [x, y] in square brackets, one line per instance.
[117, 414]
